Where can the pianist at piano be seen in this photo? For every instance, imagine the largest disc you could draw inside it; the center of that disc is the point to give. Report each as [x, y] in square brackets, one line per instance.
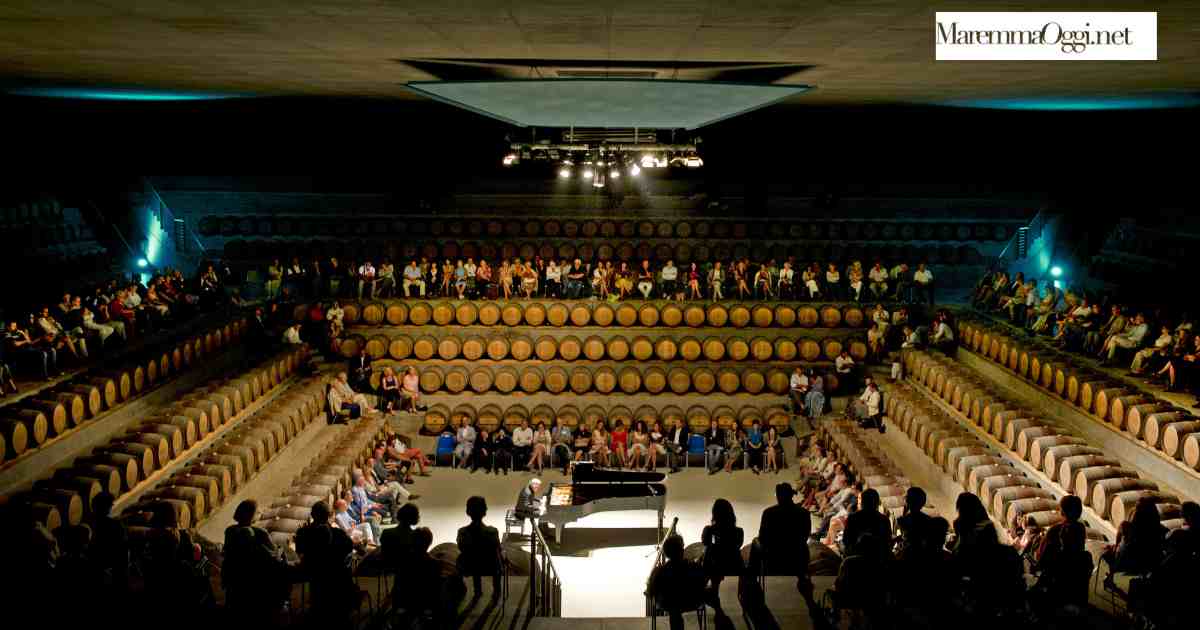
[529, 505]
[593, 490]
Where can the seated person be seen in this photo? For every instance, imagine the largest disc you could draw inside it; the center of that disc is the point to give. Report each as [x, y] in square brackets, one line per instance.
[344, 399]
[399, 449]
[479, 548]
[529, 504]
[410, 391]
[676, 586]
[360, 533]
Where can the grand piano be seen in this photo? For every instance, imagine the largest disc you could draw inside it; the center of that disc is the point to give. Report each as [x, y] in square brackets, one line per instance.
[602, 490]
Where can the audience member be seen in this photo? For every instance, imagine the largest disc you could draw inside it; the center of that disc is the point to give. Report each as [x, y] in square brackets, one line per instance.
[479, 548]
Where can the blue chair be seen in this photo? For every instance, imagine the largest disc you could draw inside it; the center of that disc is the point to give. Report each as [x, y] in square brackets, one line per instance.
[445, 446]
[695, 449]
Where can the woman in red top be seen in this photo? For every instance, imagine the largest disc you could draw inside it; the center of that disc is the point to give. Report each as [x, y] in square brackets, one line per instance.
[620, 440]
[694, 282]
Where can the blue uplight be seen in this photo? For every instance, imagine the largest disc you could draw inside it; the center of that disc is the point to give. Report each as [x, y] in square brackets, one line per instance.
[142, 262]
[1056, 271]
[118, 94]
[1084, 103]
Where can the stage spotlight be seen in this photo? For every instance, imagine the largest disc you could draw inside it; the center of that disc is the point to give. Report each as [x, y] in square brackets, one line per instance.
[587, 173]
[598, 181]
[564, 173]
[614, 174]
[1057, 284]
[510, 159]
[1056, 271]
[634, 170]
[142, 262]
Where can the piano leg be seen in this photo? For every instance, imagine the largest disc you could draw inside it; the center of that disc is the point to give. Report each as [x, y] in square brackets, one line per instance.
[558, 531]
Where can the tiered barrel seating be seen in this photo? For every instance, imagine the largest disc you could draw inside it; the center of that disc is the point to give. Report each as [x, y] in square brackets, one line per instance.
[31, 423]
[1070, 464]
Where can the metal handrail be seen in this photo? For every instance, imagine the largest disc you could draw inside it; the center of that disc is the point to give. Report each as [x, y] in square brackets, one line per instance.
[658, 560]
[545, 585]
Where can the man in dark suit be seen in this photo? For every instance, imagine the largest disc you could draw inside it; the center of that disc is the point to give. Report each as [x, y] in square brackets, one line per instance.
[677, 442]
[529, 504]
[360, 371]
[714, 445]
[783, 533]
[479, 548]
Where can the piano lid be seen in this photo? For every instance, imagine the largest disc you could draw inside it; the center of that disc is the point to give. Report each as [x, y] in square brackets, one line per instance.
[586, 472]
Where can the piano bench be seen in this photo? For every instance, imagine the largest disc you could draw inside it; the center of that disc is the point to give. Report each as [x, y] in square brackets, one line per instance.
[511, 521]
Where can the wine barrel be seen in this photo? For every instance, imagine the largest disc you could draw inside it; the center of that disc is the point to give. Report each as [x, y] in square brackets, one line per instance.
[535, 314]
[753, 380]
[698, 418]
[671, 414]
[739, 316]
[1175, 435]
[714, 349]
[113, 472]
[462, 412]
[627, 315]
[1104, 490]
[593, 416]
[807, 316]
[515, 416]
[629, 379]
[717, 315]
[558, 314]
[665, 349]
[831, 348]
[748, 415]
[761, 316]
[1121, 508]
[1136, 416]
[24, 428]
[556, 380]
[437, 419]
[655, 380]
[617, 348]
[505, 378]
[68, 502]
[531, 379]
[1152, 433]
[1019, 509]
[490, 417]
[694, 315]
[541, 415]
[1120, 405]
[809, 349]
[777, 381]
[593, 348]
[853, 316]
[420, 313]
[989, 486]
[1086, 478]
[396, 313]
[1088, 391]
[603, 314]
[580, 314]
[671, 315]
[580, 380]
[372, 314]
[703, 380]
[431, 379]
[93, 400]
[604, 379]
[728, 380]
[761, 349]
[73, 405]
[679, 380]
[782, 348]
[497, 347]
[831, 316]
[737, 348]
[1038, 447]
[568, 416]
[569, 348]
[520, 348]
[1104, 399]
[784, 315]
[54, 411]
[489, 313]
[1053, 457]
[456, 379]
[545, 348]
[691, 349]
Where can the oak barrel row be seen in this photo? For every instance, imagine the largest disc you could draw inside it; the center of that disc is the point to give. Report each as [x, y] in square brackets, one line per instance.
[848, 444]
[628, 314]
[630, 227]
[441, 417]
[1076, 466]
[449, 345]
[1156, 423]
[1005, 490]
[205, 487]
[27, 424]
[326, 479]
[118, 466]
[605, 379]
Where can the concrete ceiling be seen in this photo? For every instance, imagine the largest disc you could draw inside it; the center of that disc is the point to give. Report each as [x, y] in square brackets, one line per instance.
[852, 51]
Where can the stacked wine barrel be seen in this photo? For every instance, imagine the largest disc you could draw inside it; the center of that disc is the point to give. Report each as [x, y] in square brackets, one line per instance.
[132, 461]
[238, 456]
[1009, 494]
[1155, 423]
[324, 480]
[579, 313]
[1072, 464]
[32, 422]
[849, 445]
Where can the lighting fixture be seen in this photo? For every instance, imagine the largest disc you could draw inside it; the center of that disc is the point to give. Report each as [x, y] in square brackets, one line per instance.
[588, 173]
[564, 172]
[142, 262]
[510, 159]
[634, 170]
[614, 174]
[1056, 271]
